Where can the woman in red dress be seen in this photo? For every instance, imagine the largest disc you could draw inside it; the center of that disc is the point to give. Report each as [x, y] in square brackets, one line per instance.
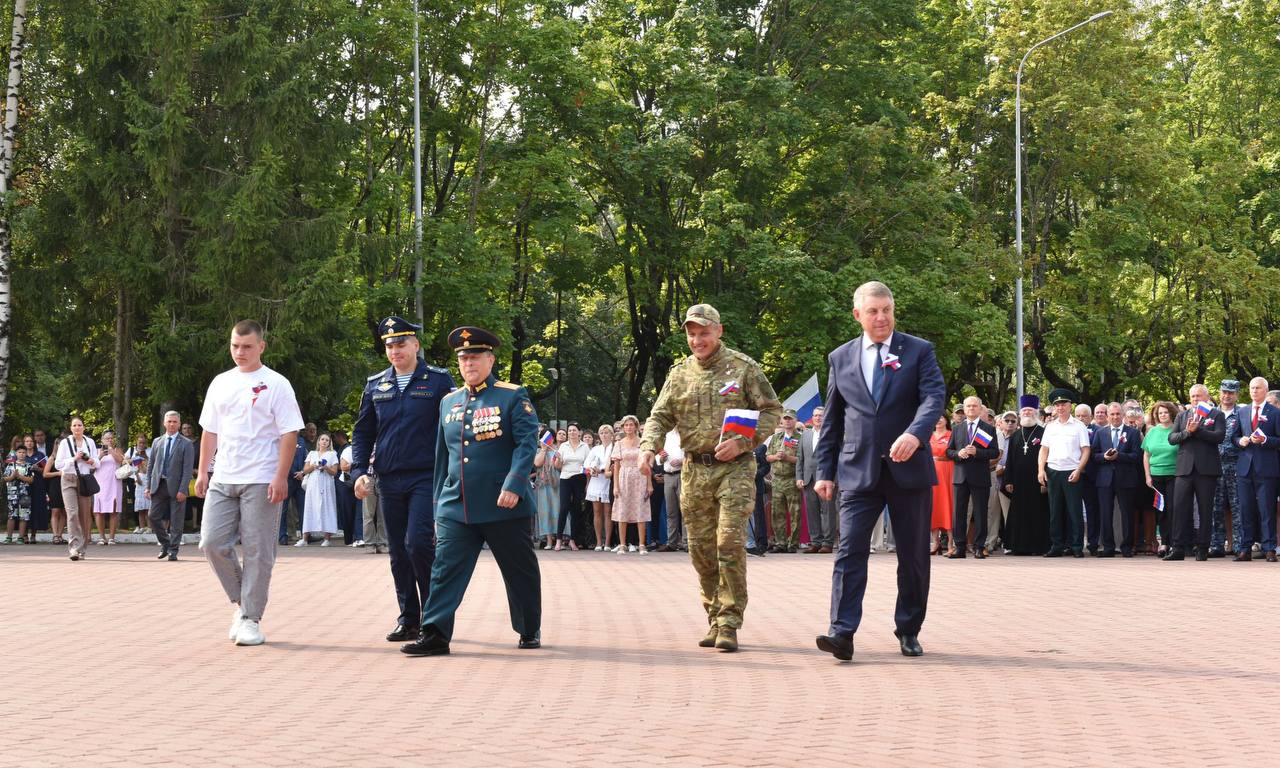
[940, 524]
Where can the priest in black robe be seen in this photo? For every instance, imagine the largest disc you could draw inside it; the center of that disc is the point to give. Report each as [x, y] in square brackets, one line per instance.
[1027, 527]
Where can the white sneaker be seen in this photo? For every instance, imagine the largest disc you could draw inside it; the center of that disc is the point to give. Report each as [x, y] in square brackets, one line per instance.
[600, 548]
[324, 543]
[250, 633]
[356, 544]
[631, 547]
[236, 621]
[620, 550]
[301, 542]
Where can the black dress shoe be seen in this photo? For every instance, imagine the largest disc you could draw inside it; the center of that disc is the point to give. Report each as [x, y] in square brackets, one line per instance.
[1053, 553]
[401, 633]
[981, 554]
[1202, 555]
[1216, 552]
[530, 641]
[758, 552]
[957, 555]
[1177, 553]
[162, 555]
[910, 646]
[1107, 553]
[1126, 554]
[1077, 553]
[173, 557]
[1243, 556]
[428, 644]
[840, 647]
[1093, 550]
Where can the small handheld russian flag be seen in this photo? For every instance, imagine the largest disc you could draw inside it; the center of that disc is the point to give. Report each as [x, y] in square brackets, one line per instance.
[137, 460]
[981, 438]
[891, 361]
[547, 438]
[790, 442]
[1159, 501]
[739, 421]
[1204, 408]
[1257, 432]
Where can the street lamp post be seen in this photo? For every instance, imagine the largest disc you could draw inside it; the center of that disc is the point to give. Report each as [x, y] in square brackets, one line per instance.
[417, 175]
[1017, 140]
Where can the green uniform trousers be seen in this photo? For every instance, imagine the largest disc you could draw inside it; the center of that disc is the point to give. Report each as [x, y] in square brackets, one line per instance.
[716, 501]
[786, 502]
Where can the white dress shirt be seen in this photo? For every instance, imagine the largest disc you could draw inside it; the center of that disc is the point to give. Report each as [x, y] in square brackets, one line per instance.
[869, 358]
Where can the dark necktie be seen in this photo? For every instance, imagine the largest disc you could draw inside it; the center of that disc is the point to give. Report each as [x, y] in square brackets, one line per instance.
[972, 425]
[164, 463]
[877, 375]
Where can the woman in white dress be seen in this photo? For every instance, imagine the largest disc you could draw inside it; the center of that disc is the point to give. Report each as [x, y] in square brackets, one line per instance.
[599, 467]
[321, 506]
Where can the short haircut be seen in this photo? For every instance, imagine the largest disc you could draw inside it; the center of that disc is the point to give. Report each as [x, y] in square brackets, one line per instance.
[248, 328]
[175, 414]
[872, 288]
[1173, 410]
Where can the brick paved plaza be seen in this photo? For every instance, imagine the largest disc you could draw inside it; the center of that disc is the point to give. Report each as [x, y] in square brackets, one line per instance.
[123, 660]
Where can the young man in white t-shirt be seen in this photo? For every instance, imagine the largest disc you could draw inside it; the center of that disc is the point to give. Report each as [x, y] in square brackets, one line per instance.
[250, 420]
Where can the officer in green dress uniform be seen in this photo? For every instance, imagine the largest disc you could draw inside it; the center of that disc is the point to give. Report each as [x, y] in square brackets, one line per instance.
[485, 445]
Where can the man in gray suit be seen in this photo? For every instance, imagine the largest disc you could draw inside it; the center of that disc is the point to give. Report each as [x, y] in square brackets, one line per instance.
[821, 512]
[171, 459]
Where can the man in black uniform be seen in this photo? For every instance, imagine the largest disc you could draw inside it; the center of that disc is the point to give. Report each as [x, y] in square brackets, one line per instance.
[399, 413]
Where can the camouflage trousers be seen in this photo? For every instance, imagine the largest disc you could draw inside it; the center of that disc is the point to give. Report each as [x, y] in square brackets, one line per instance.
[786, 504]
[1224, 498]
[716, 502]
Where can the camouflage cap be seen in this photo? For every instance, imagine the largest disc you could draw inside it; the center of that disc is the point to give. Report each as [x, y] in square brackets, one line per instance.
[702, 314]
[789, 413]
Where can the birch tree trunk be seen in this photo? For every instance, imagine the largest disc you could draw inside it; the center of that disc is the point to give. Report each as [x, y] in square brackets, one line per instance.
[16, 45]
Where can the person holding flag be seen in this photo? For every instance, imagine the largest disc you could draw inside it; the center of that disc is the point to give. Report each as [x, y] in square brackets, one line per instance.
[972, 451]
[721, 405]
[1257, 432]
[1198, 431]
[782, 452]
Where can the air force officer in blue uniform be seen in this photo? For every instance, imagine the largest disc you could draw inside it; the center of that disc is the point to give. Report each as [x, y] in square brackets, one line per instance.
[487, 439]
[398, 417]
[884, 395]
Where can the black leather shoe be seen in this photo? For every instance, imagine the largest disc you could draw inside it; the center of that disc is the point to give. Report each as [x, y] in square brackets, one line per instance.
[981, 554]
[401, 633]
[428, 644]
[162, 555]
[1177, 553]
[173, 557]
[1243, 556]
[1202, 555]
[1077, 553]
[840, 647]
[1093, 550]
[1053, 553]
[758, 552]
[1107, 553]
[1216, 552]
[957, 555]
[910, 646]
[529, 642]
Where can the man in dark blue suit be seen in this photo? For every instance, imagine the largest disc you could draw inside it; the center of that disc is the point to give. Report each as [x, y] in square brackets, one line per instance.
[1257, 431]
[1116, 454]
[884, 395]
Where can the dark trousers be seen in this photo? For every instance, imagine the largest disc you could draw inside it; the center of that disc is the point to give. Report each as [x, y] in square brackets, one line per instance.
[573, 492]
[346, 510]
[760, 520]
[1064, 510]
[1190, 492]
[980, 495]
[298, 496]
[408, 509]
[457, 552]
[164, 505]
[1165, 484]
[909, 516]
[1108, 498]
[1257, 512]
[1092, 510]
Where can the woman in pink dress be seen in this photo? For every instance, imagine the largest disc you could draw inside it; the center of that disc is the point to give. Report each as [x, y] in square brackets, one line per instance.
[106, 503]
[940, 523]
[631, 488]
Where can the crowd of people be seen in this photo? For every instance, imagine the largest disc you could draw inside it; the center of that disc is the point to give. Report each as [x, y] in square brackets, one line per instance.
[1123, 499]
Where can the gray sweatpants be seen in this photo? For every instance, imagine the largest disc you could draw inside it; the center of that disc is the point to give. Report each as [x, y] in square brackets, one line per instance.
[375, 529]
[241, 512]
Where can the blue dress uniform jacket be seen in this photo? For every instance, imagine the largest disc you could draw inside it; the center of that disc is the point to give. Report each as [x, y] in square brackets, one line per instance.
[403, 424]
[486, 444]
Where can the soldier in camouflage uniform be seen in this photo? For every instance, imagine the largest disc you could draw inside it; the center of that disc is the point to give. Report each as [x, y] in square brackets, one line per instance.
[781, 452]
[717, 485]
[1224, 497]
